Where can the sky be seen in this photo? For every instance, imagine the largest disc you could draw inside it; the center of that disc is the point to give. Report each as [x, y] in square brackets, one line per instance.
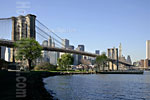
[98, 24]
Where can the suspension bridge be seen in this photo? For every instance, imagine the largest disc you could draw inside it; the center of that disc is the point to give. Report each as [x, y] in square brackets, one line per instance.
[15, 28]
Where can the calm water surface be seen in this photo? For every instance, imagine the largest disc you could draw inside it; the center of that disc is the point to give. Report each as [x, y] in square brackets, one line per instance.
[99, 87]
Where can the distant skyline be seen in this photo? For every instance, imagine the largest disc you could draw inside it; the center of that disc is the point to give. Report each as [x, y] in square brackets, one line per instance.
[97, 24]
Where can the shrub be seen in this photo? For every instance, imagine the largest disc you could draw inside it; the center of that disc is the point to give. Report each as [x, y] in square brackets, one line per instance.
[45, 66]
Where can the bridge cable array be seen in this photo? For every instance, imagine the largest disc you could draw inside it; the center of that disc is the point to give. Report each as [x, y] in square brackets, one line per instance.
[43, 32]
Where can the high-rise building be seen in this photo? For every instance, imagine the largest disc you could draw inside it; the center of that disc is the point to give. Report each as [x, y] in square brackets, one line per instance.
[129, 60]
[50, 42]
[80, 48]
[148, 49]
[97, 52]
[65, 42]
[120, 50]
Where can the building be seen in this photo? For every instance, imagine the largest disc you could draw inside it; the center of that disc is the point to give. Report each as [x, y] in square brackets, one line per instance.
[5, 53]
[71, 47]
[45, 43]
[146, 63]
[97, 52]
[120, 50]
[50, 42]
[49, 56]
[79, 57]
[141, 63]
[65, 43]
[80, 47]
[148, 49]
[129, 60]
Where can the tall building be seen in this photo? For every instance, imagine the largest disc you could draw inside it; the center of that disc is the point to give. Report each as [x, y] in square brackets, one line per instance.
[97, 52]
[80, 48]
[49, 56]
[120, 50]
[45, 53]
[129, 60]
[148, 49]
[65, 42]
[50, 42]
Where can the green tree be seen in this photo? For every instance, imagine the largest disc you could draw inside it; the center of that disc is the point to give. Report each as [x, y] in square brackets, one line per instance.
[65, 61]
[28, 49]
[101, 60]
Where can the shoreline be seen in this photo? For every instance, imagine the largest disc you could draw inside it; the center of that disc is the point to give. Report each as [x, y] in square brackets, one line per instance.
[35, 89]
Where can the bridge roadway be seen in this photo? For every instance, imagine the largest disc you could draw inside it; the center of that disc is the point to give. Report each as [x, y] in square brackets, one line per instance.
[9, 43]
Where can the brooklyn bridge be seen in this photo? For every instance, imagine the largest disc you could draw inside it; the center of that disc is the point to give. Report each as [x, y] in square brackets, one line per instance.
[30, 27]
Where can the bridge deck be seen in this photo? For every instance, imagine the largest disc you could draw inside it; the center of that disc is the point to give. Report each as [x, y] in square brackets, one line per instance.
[9, 43]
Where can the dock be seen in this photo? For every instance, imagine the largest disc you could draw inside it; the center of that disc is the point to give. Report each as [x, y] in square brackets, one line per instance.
[122, 72]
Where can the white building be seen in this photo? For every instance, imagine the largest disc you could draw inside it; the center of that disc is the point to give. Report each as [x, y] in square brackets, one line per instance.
[5, 53]
[148, 49]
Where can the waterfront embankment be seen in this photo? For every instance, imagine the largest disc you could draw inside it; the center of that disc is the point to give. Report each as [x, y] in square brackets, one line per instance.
[34, 84]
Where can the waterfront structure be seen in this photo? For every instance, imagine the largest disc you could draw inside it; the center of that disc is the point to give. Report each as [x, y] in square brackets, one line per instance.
[148, 49]
[97, 52]
[113, 54]
[22, 27]
[31, 27]
[141, 63]
[146, 63]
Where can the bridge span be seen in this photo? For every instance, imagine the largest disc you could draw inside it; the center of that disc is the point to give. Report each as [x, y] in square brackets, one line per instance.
[10, 44]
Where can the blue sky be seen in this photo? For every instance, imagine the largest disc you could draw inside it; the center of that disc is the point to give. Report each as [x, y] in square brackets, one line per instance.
[98, 24]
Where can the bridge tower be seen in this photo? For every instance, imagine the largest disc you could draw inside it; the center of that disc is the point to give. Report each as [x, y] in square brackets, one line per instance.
[22, 27]
[113, 54]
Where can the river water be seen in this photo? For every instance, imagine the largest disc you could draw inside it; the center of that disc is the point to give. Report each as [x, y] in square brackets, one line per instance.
[99, 87]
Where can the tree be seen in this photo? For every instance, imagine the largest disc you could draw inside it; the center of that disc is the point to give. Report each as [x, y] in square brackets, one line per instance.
[28, 49]
[65, 61]
[101, 60]
[86, 63]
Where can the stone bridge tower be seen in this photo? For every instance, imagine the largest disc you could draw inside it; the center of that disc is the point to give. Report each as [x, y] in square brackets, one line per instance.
[22, 27]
